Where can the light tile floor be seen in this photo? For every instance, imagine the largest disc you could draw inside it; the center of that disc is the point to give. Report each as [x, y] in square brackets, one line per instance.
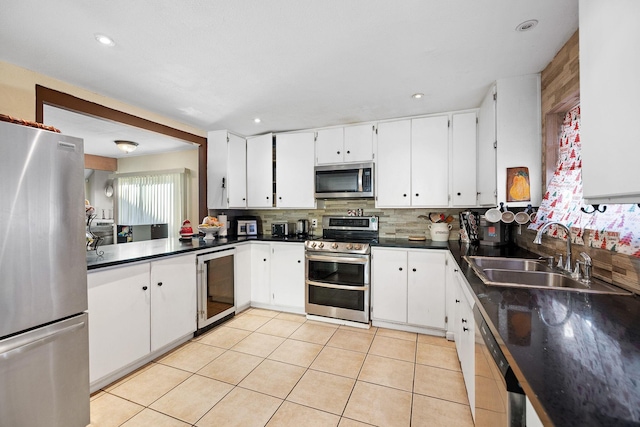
[265, 368]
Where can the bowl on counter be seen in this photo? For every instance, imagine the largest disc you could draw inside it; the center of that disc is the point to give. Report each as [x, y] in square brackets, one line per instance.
[209, 231]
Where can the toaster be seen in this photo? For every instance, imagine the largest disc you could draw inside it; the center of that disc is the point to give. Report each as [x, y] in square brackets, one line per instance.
[280, 229]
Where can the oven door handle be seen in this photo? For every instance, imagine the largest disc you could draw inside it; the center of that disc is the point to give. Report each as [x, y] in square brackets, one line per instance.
[343, 287]
[333, 258]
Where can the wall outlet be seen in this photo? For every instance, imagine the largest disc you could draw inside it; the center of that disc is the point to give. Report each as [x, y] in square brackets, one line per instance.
[314, 222]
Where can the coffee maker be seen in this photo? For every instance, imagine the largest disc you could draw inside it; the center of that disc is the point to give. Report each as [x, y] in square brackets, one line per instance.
[493, 233]
[302, 228]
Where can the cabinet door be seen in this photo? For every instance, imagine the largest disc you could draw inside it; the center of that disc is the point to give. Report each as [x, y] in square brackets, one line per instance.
[609, 92]
[242, 276]
[287, 275]
[426, 288]
[518, 131]
[295, 176]
[330, 146]
[392, 166]
[464, 160]
[487, 151]
[452, 298]
[430, 161]
[173, 299]
[260, 273]
[217, 169]
[119, 316]
[237, 176]
[358, 143]
[260, 171]
[389, 285]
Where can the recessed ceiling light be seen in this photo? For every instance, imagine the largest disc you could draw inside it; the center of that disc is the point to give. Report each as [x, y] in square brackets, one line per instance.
[105, 40]
[257, 120]
[527, 25]
[417, 95]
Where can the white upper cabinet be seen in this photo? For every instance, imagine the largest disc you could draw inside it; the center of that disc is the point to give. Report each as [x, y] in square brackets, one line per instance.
[392, 167]
[260, 171]
[430, 161]
[519, 134]
[294, 170]
[463, 168]
[237, 175]
[345, 145]
[511, 121]
[486, 155]
[226, 170]
[609, 93]
[330, 146]
[358, 143]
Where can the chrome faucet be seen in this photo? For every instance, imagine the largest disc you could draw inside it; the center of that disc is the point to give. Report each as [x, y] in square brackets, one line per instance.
[538, 241]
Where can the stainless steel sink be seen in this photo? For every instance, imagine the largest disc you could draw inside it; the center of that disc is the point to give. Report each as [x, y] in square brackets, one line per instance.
[530, 273]
[520, 264]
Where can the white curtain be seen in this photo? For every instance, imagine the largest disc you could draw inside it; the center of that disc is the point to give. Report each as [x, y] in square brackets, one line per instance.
[152, 198]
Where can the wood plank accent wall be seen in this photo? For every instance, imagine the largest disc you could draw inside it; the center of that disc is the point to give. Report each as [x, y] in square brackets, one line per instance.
[560, 82]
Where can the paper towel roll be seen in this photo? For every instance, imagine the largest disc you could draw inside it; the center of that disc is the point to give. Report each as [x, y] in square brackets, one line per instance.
[223, 231]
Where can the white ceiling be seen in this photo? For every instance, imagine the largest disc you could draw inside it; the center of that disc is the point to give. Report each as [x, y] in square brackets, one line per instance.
[99, 135]
[296, 64]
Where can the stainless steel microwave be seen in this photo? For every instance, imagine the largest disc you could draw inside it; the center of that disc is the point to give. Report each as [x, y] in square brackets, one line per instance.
[344, 181]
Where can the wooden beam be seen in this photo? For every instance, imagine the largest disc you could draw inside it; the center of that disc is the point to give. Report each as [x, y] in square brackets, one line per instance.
[100, 163]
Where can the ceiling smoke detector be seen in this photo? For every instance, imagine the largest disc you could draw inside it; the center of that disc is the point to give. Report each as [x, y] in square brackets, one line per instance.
[527, 25]
[126, 146]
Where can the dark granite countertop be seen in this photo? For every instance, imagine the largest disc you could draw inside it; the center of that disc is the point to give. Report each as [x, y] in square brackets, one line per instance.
[577, 356]
[124, 253]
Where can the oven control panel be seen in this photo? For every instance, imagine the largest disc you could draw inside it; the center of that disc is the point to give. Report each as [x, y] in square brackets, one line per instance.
[339, 247]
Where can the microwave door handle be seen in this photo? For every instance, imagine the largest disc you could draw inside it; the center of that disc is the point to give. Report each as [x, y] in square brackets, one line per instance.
[360, 172]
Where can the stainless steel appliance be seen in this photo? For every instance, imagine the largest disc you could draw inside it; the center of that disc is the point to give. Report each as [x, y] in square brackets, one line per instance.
[247, 227]
[302, 228]
[338, 268]
[354, 180]
[216, 289]
[44, 347]
[499, 399]
[280, 229]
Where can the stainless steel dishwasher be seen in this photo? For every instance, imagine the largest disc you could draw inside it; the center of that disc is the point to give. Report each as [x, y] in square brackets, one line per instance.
[499, 399]
[216, 289]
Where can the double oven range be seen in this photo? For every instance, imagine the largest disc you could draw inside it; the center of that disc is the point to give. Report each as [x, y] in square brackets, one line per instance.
[338, 268]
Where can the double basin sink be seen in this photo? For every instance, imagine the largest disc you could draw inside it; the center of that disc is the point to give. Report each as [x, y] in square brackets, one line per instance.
[532, 273]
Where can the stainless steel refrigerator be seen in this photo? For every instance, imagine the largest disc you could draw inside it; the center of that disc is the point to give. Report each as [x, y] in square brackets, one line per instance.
[44, 350]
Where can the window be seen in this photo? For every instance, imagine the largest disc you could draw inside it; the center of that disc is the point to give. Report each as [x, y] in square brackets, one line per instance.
[617, 228]
[152, 198]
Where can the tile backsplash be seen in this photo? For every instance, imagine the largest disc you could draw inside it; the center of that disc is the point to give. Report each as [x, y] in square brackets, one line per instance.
[398, 223]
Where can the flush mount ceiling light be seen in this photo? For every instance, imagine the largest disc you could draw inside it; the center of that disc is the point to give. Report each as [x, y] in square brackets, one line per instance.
[126, 146]
[417, 95]
[527, 25]
[257, 120]
[104, 40]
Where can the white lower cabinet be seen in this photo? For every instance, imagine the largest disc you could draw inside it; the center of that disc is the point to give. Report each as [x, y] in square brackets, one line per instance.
[464, 325]
[277, 276]
[137, 309]
[408, 287]
[119, 318]
[242, 279]
[173, 299]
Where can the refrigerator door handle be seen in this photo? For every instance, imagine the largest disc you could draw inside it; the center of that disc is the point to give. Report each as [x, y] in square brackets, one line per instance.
[20, 346]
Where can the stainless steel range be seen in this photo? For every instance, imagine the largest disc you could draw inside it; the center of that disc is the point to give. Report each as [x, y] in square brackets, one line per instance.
[338, 268]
